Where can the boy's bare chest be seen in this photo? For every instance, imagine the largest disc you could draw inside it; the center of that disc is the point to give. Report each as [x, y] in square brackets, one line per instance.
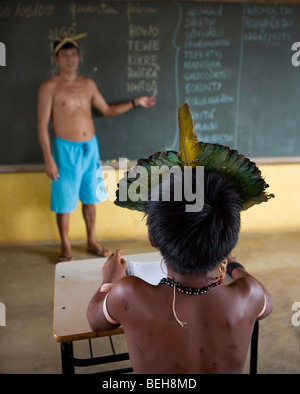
[72, 96]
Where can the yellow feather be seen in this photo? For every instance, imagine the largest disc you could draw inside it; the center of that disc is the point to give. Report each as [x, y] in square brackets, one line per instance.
[188, 142]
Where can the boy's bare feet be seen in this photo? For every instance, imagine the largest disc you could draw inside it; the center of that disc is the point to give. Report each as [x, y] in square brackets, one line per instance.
[66, 254]
[98, 250]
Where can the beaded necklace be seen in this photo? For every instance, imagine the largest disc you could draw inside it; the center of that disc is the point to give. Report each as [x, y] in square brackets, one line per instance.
[187, 290]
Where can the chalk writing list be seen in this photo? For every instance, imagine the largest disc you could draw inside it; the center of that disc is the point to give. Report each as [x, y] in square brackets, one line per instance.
[143, 48]
[204, 73]
[268, 24]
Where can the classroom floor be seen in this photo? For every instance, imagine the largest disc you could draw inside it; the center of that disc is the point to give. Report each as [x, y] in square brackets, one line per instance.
[26, 290]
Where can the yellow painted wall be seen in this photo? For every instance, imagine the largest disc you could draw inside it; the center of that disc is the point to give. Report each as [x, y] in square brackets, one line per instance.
[25, 215]
[281, 213]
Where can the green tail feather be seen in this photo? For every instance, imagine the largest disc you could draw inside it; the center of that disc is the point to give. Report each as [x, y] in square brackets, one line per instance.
[158, 159]
[243, 173]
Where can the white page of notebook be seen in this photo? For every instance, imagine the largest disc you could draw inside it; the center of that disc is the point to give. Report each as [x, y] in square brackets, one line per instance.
[150, 271]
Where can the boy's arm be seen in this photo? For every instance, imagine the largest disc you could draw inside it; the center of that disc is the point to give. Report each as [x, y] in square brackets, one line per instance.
[107, 110]
[112, 271]
[236, 270]
[44, 107]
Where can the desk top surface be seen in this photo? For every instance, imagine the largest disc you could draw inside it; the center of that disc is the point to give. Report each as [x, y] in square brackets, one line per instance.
[75, 284]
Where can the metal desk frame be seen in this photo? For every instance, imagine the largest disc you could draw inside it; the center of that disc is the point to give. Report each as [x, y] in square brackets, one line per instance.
[69, 362]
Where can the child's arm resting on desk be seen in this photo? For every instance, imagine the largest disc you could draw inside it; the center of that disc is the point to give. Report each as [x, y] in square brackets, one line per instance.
[98, 313]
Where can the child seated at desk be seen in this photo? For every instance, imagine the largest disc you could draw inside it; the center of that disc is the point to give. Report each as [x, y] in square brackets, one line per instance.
[192, 322]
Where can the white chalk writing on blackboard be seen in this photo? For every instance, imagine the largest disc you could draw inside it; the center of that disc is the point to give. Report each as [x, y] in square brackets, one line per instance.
[139, 9]
[205, 10]
[203, 71]
[99, 9]
[63, 31]
[25, 10]
[143, 46]
[38, 9]
[267, 10]
[143, 31]
[200, 55]
[268, 23]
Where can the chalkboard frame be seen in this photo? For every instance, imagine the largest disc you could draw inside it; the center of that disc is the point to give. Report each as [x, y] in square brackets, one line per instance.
[29, 168]
[22, 168]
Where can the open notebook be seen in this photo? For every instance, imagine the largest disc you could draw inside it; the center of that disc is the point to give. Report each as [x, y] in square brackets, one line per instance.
[150, 271]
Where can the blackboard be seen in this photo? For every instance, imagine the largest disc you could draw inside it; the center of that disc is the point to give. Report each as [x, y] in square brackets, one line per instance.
[231, 62]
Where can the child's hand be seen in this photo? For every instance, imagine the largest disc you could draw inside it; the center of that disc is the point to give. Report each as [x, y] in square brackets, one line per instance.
[114, 268]
[232, 259]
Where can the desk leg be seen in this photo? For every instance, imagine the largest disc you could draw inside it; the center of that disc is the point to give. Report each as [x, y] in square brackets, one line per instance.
[253, 352]
[66, 358]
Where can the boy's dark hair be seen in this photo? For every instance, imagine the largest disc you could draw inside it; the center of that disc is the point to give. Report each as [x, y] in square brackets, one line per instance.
[67, 45]
[196, 242]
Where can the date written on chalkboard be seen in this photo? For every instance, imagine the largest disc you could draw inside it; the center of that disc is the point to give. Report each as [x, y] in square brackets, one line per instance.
[27, 11]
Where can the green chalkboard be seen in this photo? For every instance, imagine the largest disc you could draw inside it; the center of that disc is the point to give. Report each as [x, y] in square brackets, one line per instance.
[230, 61]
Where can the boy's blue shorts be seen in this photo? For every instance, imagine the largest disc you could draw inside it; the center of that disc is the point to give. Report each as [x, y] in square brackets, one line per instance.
[80, 174]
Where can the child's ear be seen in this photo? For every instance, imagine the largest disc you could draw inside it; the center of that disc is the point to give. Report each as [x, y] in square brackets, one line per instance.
[150, 240]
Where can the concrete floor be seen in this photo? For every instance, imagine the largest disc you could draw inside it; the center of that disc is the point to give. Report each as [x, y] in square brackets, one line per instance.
[26, 290]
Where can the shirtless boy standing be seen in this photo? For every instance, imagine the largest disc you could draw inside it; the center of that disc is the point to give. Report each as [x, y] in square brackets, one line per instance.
[67, 98]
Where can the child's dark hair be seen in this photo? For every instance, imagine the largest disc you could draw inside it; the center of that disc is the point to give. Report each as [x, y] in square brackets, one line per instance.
[67, 45]
[196, 242]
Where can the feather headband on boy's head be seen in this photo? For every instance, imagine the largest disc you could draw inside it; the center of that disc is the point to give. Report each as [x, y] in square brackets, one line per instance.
[244, 174]
[65, 40]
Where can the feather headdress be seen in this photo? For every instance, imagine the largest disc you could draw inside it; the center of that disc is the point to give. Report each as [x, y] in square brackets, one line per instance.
[245, 176]
[62, 41]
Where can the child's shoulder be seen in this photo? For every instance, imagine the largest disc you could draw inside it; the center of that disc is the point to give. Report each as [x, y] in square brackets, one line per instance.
[132, 284]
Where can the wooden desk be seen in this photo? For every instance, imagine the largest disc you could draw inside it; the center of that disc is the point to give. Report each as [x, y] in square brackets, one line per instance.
[75, 284]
